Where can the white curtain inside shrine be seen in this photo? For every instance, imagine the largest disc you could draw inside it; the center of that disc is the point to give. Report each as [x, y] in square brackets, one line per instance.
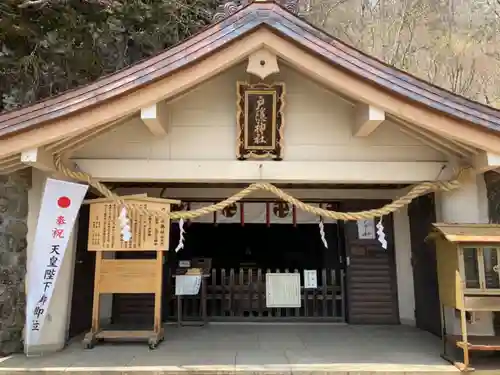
[259, 213]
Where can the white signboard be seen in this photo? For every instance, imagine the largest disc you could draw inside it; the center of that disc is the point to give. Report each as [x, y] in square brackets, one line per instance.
[283, 290]
[366, 229]
[187, 285]
[61, 202]
[310, 279]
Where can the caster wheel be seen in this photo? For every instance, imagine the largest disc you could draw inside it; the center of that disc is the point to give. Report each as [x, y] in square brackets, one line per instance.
[153, 343]
[88, 344]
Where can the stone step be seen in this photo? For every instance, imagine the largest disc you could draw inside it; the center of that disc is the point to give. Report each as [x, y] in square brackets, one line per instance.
[254, 370]
[334, 369]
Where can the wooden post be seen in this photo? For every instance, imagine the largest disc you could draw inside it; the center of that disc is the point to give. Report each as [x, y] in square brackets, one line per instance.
[158, 293]
[97, 296]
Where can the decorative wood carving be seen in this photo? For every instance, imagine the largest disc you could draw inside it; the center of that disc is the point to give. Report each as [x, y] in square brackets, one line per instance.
[227, 8]
[260, 120]
[262, 63]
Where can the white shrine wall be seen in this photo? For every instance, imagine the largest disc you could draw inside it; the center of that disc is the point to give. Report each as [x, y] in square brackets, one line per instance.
[318, 127]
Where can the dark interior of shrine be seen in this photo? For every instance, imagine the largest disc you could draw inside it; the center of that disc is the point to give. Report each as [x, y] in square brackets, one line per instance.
[275, 246]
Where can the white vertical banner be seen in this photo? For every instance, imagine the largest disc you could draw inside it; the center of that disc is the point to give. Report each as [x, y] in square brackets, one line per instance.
[60, 204]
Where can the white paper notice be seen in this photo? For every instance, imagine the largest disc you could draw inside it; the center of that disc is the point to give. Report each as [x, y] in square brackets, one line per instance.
[310, 279]
[61, 202]
[187, 285]
[366, 229]
[283, 290]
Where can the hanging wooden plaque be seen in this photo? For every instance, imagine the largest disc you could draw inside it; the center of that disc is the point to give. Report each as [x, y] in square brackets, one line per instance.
[260, 120]
[148, 232]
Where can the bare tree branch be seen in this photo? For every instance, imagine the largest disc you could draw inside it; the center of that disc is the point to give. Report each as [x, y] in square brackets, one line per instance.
[31, 3]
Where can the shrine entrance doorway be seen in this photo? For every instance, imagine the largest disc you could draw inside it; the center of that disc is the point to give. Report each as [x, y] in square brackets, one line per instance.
[357, 281]
[241, 253]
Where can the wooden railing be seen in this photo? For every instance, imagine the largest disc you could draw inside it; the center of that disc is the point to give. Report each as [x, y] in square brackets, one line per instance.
[240, 295]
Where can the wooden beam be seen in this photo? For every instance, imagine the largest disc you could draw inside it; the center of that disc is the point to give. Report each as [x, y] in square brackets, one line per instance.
[202, 193]
[39, 158]
[428, 142]
[366, 119]
[155, 117]
[254, 171]
[43, 160]
[486, 161]
[438, 139]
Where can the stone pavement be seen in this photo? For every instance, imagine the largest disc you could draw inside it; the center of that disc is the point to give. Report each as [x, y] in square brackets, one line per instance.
[251, 349]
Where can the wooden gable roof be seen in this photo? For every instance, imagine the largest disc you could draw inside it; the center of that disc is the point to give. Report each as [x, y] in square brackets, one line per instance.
[257, 14]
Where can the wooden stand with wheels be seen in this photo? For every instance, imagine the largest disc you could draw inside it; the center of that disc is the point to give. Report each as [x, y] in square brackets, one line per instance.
[127, 275]
[468, 260]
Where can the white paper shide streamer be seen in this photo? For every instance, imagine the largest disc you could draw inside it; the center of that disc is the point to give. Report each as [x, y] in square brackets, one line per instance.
[180, 245]
[381, 234]
[125, 225]
[322, 233]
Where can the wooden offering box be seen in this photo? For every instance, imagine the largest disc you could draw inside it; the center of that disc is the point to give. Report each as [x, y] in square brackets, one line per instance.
[468, 257]
[128, 275]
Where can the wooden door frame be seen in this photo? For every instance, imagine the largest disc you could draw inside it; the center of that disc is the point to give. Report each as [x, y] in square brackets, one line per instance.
[415, 264]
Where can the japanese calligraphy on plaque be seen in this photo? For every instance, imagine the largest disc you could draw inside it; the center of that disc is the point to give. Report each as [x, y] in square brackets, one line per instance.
[148, 232]
[260, 120]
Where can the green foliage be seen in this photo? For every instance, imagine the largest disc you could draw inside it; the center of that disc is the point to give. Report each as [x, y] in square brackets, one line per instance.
[50, 46]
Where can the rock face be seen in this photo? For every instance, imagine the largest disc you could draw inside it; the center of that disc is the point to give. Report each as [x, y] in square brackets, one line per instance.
[13, 244]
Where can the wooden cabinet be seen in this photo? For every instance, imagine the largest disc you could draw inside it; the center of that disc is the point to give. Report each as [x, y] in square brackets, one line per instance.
[468, 257]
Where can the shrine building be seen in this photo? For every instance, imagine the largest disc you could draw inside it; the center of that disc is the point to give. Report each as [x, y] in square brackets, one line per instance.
[262, 97]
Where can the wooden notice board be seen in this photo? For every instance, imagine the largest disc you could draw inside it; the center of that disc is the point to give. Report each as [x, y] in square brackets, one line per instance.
[148, 232]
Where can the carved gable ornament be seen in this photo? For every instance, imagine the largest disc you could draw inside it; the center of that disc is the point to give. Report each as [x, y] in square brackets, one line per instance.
[260, 120]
